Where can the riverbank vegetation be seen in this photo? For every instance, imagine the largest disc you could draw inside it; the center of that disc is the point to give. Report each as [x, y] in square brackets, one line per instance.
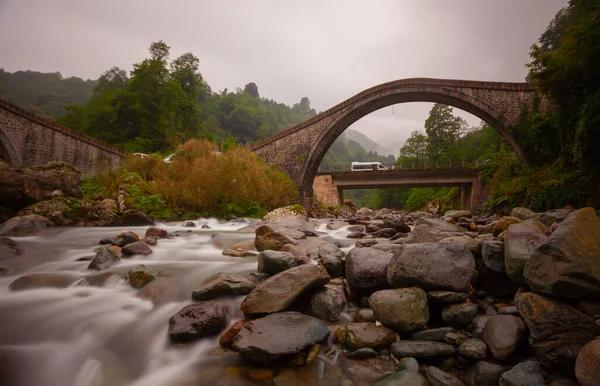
[199, 181]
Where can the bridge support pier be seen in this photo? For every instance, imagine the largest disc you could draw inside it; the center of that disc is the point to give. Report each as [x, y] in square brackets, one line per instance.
[465, 198]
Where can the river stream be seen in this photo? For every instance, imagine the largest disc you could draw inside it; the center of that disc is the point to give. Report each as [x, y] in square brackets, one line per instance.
[100, 331]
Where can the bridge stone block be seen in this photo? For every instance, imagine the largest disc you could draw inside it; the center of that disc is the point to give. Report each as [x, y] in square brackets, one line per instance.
[27, 139]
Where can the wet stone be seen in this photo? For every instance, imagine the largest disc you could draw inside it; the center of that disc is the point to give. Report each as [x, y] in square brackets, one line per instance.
[422, 349]
[402, 378]
[446, 297]
[223, 284]
[409, 364]
[473, 349]
[485, 373]
[196, 321]
[238, 252]
[459, 315]
[511, 310]
[359, 335]
[455, 338]
[433, 334]
[438, 377]
[523, 374]
[104, 259]
[137, 248]
[365, 352]
[126, 237]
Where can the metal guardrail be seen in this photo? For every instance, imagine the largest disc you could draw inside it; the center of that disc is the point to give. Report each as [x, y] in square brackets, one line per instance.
[405, 166]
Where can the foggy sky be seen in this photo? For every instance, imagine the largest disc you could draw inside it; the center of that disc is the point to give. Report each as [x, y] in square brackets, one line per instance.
[324, 49]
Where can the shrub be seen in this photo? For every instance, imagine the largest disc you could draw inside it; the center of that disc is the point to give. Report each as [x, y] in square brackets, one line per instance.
[200, 179]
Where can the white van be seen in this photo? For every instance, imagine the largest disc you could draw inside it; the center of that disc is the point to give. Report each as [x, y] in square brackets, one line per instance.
[362, 166]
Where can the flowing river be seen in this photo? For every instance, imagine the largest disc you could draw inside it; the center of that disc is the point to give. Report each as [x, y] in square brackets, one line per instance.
[91, 328]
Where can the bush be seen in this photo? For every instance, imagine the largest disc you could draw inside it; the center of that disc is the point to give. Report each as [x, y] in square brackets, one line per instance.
[202, 180]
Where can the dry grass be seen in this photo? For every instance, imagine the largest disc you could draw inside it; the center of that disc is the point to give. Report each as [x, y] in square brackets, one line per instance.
[200, 179]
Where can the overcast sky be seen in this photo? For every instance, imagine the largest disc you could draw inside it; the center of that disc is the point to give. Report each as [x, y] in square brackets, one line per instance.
[323, 49]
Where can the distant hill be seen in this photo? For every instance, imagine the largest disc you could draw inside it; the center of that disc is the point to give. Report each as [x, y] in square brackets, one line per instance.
[44, 93]
[369, 145]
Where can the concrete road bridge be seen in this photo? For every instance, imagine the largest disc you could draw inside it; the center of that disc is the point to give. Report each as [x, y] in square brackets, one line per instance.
[298, 151]
[330, 182]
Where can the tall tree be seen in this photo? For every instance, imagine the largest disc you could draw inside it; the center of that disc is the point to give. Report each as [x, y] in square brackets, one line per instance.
[443, 129]
[414, 149]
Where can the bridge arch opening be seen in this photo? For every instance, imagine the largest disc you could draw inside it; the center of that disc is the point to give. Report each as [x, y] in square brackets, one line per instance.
[7, 152]
[397, 95]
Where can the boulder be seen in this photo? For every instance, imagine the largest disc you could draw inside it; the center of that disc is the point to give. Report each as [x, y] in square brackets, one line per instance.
[504, 223]
[385, 233]
[435, 334]
[523, 374]
[520, 241]
[42, 280]
[272, 236]
[126, 237]
[25, 225]
[586, 366]
[502, 334]
[273, 262]
[159, 233]
[197, 321]
[522, 213]
[557, 330]
[398, 224]
[485, 373]
[567, 264]
[223, 284]
[473, 349]
[134, 217]
[327, 303]
[311, 245]
[21, 187]
[105, 258]
[403, 378]
[329, 257]
[455, 338]
[365, 212]
[402, 309]
[556, 215]
[457, 214]
[73, 211]
[238, 252]
[409, 364]
[299, 256]
[358, 335]
[432, 266]
[492, 254]
[137, 248]
[422, 349]
[9, 247]
[432, 230]
[472, 244]
[139, 276]
[280, 291]
[278, 336]
[362, 353]
[438, 377]
[446, 297]
[285, 213]
[371, 370]
[366, 269]
[459, 315]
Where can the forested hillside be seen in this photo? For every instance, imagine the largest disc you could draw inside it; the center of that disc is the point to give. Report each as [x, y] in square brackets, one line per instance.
[44, 93]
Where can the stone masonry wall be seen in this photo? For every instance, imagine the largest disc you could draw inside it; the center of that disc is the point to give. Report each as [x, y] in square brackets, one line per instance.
[35, 140]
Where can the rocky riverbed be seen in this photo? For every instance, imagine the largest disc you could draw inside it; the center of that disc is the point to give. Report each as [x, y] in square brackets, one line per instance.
[382, 298]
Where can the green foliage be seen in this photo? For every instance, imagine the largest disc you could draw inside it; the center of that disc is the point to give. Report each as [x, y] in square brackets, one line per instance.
[160, 105]
[565, 68]
[44, 93]
[199, 179]
[91, 188]
[443, 129]
[419, 197]
[415, 149]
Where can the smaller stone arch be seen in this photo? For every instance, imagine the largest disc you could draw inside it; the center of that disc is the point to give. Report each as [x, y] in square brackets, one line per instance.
[7, 151]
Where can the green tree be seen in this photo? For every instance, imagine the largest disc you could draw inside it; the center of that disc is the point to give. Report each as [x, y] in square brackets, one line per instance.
[252, 90]
[443, 129]
[415, 148]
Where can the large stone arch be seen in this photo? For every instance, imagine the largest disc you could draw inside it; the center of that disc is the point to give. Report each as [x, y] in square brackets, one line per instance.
[7, 151]
[298, 151]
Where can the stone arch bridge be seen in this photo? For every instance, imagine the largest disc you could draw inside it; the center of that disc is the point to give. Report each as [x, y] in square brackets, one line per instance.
[27, 139]
[298, 151]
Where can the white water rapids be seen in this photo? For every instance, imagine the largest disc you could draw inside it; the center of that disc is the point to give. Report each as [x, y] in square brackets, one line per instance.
[106, 334]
